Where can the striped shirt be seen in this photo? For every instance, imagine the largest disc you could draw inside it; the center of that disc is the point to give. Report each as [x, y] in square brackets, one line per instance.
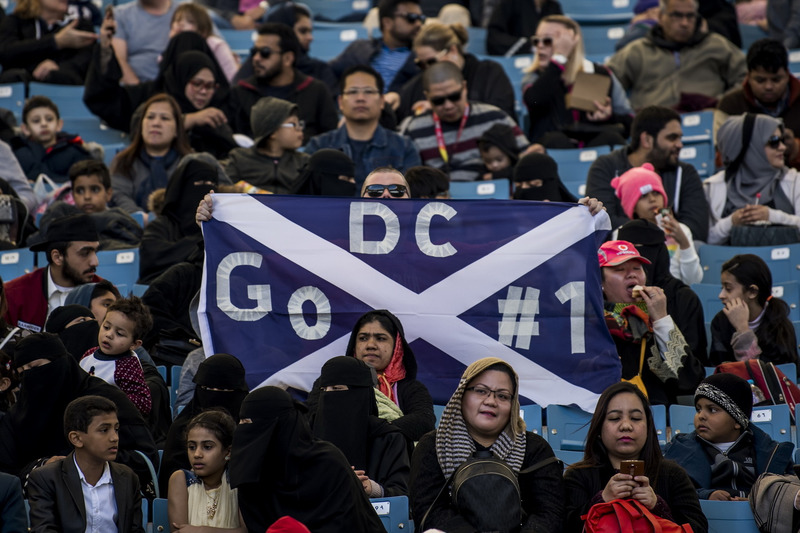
[465, 162]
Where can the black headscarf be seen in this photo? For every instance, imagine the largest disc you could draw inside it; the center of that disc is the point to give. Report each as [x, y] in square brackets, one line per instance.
[649, 239]
[187, 54]
[190, 182]
[220, 371]
[280, 469]
[543, 167]
[321, 175]
[79, 337]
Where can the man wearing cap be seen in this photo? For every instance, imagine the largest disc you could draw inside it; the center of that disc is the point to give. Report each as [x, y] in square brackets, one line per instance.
[71, 246]
[645, 335]
[726, 453]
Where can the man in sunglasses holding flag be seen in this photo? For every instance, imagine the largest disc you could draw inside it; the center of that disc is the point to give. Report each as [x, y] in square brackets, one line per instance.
[447, 134]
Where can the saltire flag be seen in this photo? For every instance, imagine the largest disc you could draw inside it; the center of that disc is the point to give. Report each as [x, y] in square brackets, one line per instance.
[287, 277]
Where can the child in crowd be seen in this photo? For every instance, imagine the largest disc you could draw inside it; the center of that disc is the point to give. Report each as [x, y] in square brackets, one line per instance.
[125, 324]
[91, 186]
[428, 182]
[203, 496]
[752, 323]
[110, 499]
[194, 17]
[273, 163]
[499, 151]
[44, 149]
[642, 195]
[726, 453]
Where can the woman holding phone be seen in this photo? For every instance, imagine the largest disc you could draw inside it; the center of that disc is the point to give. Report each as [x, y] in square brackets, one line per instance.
[621, 431]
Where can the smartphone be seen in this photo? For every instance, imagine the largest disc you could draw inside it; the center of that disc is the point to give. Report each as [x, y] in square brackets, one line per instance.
[632, 467]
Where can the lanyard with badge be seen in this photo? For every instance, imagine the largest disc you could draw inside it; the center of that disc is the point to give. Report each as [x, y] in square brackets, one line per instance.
[437, 126]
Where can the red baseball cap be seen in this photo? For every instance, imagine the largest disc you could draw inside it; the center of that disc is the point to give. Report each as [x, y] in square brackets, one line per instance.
[614, 253]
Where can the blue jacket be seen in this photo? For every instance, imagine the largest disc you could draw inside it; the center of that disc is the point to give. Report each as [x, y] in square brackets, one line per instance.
[387, 148]
[686, 450]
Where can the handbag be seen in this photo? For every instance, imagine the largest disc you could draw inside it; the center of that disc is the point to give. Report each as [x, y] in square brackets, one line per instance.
[637, 379]
[628, 516]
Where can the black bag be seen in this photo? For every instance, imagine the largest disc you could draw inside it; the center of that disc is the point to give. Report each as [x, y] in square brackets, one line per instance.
[764, 235]
[485, 492]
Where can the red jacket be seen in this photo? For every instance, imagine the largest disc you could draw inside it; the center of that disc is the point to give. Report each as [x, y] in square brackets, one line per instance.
[26, 297]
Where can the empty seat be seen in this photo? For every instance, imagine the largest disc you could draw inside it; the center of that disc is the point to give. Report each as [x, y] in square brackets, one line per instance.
[480, 190]
[783, 260]
[393, 512]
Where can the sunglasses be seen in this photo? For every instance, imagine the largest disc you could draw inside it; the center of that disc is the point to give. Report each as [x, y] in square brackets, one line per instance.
[411, 18]
[775, 141]
[425, 63]
[544, 41]
[395, 191]
[264, 51]
[439, 100]
[200, 84]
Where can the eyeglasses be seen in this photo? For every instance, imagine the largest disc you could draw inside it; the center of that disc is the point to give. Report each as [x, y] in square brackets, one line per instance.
[200, 85]
[411, 18]
[395, 191]
[484, 393]
[775, 141]
[425, 63]
[439, 100]
[544, 41]
[264, 51]
[366, 91]
[677, 15]
[299, 126]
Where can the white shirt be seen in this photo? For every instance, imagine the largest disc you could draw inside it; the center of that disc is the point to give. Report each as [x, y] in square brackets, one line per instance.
[99, 502]
[56, 294]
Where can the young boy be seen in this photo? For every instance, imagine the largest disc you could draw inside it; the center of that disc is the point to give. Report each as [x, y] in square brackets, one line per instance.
[114, 361]
[726, 453]
[44, 149]
[87, 491]
[91, 186]
[272, 164]
[498, 147]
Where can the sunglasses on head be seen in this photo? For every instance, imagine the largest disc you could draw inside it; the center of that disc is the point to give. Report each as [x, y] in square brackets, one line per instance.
[544, 41]
[264, 51]
[439, 100]
[411, 18]
[775, 141]
[376, 191]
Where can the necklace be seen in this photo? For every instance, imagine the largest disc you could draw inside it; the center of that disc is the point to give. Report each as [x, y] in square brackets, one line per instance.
[211, 505]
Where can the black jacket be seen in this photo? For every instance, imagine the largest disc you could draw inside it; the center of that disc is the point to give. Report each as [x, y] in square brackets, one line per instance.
[362, 51]
[514, 19]
[55, 161]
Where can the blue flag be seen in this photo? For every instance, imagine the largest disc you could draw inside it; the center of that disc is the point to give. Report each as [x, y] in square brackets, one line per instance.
[287, 277]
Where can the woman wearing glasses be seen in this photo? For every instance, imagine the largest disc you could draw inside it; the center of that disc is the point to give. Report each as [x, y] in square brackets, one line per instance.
[483, 414]
[756, 189]
[551, 78]
[486, 80]
[188, 72]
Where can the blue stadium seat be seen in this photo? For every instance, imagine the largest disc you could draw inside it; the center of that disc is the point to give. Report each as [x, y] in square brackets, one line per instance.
[437, 411]
[90, 130]
[708, 293]
[160, 517]
[601, 38]
[393, 512]
[337, 9]
[175, 376]
[598, 11]
[789, 369]
[660, 421]
[567, 427]
[120, 267]
[12, 97]
[514, 67]
[573, 166]
[68, 98]
[729, 517]
[331, 39]
[697, 126]
[774, 420]
[111, 150]
[794, 62]
[700, 155]
[240, 41]
[783, 260]
[789, 291]
[28, 512]
[750, 34]
[144, 513]
[162, 369]
[15, 263]
[477, 40]
[532, 415]
[480, 190]
[681, 419]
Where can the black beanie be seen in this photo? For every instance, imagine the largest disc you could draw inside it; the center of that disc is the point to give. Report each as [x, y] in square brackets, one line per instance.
[730, 392]
[61, 316]
[39, 346]
[502, 136]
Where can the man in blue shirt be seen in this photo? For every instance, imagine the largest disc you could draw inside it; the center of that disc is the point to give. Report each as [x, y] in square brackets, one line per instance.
[366, 142]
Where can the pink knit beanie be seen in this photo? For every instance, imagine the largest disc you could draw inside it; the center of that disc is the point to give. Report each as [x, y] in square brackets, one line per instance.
[634, 184]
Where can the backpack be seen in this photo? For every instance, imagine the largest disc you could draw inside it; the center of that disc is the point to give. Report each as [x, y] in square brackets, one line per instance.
[485, 492]
[772, 502]
[628, 516]
[772, 383]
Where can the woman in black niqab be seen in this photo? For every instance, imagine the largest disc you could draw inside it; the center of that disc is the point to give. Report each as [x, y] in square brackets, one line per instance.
[324, 172]
[221, 384]
[281, 469]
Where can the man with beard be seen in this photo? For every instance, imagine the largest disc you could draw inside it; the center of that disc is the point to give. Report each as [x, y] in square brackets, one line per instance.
[390, 55]
[273, 59]
[656, 139]
[366, 142]
[71, 245]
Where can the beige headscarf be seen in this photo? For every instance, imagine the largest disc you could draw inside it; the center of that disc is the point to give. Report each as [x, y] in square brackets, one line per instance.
[454, 445]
